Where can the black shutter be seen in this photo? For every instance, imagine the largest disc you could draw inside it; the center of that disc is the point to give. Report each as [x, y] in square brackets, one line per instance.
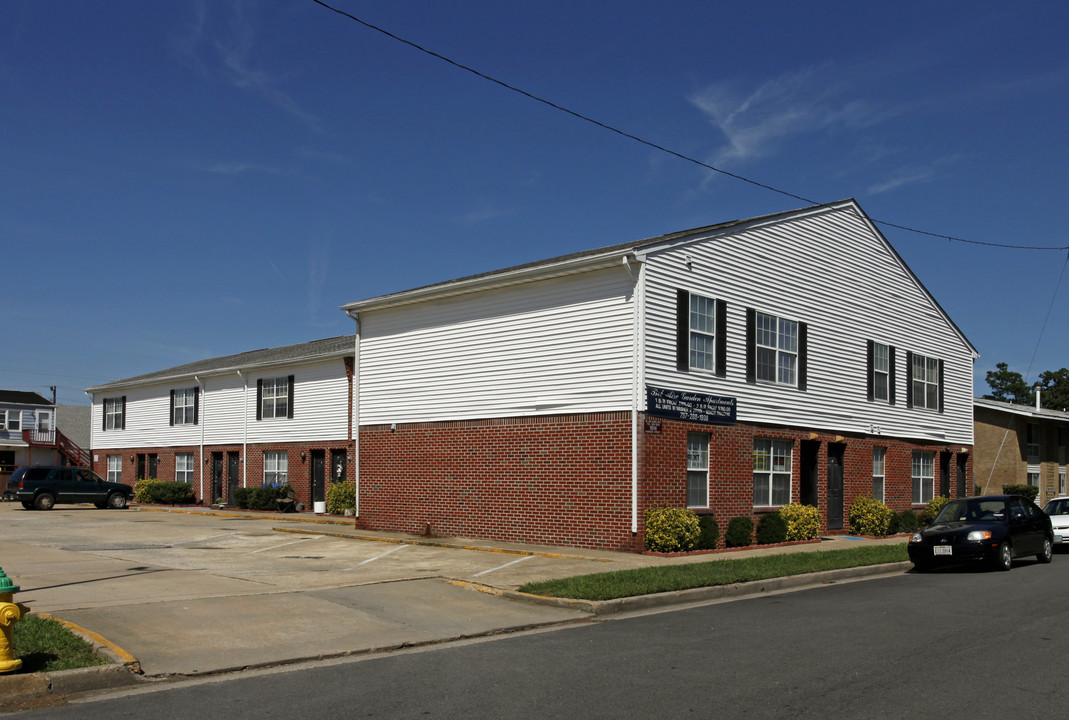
[869, 365]
[891, 375]
[751, 341]
[940, 386]
[682, 330]
[909, 378]
[196, 405]
[259, 399]
[803, 356]
[721, 338]
[289, 412]
[172, 408]
[104, 424]
[123, 412]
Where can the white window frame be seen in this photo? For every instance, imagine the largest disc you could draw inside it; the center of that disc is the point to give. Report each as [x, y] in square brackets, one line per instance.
[925, 382]
[879, 473]
[184, 468]
[44, 417]
[276, 467]
[775, 349]
[114, 468]
[12, 421]
[184, 404]
[697, 470]
[1061, 480]
[275, 398]
[1033, 444]
[772, 472]
[881, 372]
[1033, 475]
[113, 419]
[702, 345]
[923, 476]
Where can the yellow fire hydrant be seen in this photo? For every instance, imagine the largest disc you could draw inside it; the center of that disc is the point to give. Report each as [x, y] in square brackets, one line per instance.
[10, 613]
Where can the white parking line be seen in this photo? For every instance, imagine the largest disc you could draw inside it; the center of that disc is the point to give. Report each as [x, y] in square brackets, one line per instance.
[380, 555]
[294, 542]
[502, 567]
[200, 540]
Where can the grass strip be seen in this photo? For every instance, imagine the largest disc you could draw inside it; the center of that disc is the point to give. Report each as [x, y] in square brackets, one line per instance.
[44, 645]
[666, 578]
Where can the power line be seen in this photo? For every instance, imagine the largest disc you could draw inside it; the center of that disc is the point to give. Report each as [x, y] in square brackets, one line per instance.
[1043, 329]
[647, 143]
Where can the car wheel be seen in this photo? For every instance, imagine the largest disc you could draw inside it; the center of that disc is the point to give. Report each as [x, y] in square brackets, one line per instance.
[27, 504]
[116, 501]
[44, 501]
[1047, 551]
[1004, 558]
[100, 505]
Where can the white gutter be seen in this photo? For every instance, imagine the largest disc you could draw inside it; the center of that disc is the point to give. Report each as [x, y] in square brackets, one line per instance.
[245, 432]
[200, 461]
[637, 377]
[356, 415]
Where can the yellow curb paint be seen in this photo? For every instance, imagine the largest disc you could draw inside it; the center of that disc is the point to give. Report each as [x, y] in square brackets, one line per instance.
[125, 657]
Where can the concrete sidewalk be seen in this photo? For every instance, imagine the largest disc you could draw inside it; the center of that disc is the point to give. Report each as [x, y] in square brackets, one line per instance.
[170, 622]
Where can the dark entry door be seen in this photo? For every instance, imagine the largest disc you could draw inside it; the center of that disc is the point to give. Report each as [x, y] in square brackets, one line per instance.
[319, 475]
[835, 485]
[233, 470]
[141, 466]
[217, 476]
[337, 466]
[808, 492]
[963, 473]
[944, 474]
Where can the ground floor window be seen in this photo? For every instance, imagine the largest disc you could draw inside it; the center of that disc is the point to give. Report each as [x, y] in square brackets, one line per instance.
[879, 465]
[183, 467]
[698, 470]
[923, 476]
[114, 468]
[1033, 476]
[1061, 481]
[276, 467]
[771, 472]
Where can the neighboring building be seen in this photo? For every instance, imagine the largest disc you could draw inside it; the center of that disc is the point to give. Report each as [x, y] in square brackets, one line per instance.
[267, 416]
[1020, 445]
[731, 369]
[28, 435]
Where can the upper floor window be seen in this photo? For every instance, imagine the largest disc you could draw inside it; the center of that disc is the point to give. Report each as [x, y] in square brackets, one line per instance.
[274, 398]
[698, 470]
[1032, 443]
[771, 472]
[925, 382]
[185, 406]
[10, 420]
[881, 372]
[776, 351]
[115, 413]
[44, 420]
[701, 333]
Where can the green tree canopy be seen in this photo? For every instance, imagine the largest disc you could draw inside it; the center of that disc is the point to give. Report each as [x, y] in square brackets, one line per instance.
[1054, 389]
[1008, 386]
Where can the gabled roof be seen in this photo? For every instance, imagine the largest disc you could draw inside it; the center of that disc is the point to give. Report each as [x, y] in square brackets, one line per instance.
[1025, 410]
[18, 397]
[288, 354]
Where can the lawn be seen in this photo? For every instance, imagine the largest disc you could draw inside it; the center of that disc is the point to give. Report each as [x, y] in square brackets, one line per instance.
[646, 581]
[44, 645]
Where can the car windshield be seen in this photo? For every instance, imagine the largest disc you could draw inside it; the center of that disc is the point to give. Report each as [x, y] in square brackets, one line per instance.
[1057, 507]
[972, 510]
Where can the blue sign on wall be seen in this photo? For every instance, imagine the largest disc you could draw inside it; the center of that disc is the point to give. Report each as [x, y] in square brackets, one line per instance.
[690, 406]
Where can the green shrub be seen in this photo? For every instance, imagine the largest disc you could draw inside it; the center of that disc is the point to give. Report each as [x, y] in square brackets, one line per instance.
[771, 529]
[740, 532]
[803, 521]
[708, 532]
[907, 521]
[264, 497]
[341, 496]
[1029, 491]
[928, 513]
[142, 489]
[670, 529]
[163, 492]
[870, 517]
[240, 497]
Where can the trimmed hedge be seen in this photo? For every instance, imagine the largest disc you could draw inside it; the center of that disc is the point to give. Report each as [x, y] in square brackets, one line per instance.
[163, 492]
[341, 496]
[670, 529]
[1029, 491]
[708, 532]
[869, 516]
[803, 521]
[771, 529]
[740, 532]
[260, 498]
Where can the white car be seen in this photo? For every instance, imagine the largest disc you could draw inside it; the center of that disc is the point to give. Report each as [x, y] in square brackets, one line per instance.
[1058, 510]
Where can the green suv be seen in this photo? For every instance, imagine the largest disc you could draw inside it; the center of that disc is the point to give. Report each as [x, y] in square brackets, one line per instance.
[39, 488]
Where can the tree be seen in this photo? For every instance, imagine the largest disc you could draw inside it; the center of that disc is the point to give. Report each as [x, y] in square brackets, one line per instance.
[1009, 386]
[1054, 389]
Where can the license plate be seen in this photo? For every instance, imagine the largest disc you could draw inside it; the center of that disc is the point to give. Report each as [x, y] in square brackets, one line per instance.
[943, 550]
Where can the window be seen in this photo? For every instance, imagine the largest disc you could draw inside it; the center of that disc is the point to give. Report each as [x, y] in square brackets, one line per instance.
[775, 350]
[879, 472]
[701, 333]
[1061, 480]
[926, 382]
[771, 472]
[1033, 476]
[114, 468]
[1032, 442]
[881, 372]
[923, 476]
[115, 413]
[44, 421]
[184, 406]
[10, 420]
[183, 467]
[276, 465]
[274, 398]
[698, 470]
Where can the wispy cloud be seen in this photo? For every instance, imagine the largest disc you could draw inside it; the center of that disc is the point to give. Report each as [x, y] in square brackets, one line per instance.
[484, 212]
[914, 175]
[226, 47]
[239, 168]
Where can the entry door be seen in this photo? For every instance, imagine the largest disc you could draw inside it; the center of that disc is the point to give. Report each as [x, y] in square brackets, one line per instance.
[217, 476]
[233, 478]
[944, 474]
[963, 472]
[141, 466]
[319, 475]
[835, 485]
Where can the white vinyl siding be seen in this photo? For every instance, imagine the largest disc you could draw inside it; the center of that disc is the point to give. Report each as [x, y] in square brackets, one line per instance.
[846, 285]
[549, 347]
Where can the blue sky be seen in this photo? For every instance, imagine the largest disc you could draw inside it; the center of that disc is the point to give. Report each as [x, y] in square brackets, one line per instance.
[193, 178]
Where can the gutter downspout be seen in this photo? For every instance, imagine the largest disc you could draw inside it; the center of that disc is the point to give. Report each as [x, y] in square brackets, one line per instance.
[637, 379]
[200, 461]
[356, 416]
[245, 432]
